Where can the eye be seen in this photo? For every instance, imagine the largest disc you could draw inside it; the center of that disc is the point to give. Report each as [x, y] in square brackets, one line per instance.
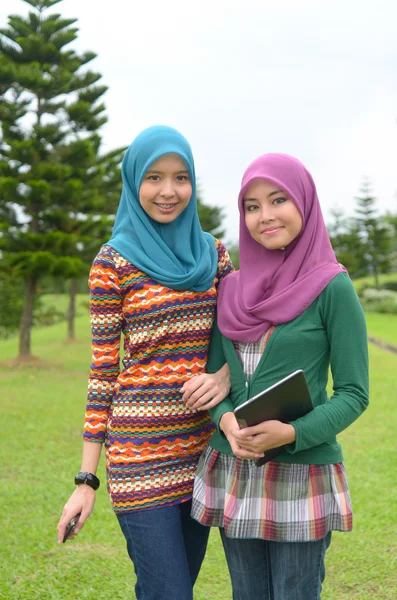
[182, 178]
[279, 200]
[153, 177]
[251, 207]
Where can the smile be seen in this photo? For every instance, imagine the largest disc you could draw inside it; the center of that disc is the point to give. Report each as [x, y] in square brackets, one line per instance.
[165, 207]
[271, 231]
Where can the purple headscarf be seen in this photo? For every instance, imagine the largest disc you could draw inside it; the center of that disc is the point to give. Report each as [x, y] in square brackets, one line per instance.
[275, 286]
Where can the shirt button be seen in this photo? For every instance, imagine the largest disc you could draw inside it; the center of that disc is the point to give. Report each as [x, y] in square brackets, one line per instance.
[246, 384]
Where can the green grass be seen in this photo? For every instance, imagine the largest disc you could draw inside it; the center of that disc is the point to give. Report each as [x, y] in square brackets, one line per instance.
[61, 301]
[42, 410]
[382, 326]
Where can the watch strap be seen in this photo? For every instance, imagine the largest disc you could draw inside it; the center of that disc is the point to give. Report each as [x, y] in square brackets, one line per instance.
[88, 478]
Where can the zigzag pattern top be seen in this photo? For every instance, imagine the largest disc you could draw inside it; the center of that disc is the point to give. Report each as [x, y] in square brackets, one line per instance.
[153, 441]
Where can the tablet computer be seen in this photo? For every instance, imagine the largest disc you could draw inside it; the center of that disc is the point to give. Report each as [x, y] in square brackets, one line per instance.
[285, 401]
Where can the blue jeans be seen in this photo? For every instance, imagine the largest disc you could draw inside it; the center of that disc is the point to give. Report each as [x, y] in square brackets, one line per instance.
[167, 548]
[275, 570]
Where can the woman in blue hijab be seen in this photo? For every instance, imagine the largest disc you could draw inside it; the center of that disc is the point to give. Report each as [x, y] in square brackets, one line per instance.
[156, 283]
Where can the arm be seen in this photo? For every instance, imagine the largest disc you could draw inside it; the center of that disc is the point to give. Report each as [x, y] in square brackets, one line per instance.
[83, 498]
[106, 319]
[344, 322]
[207, 390]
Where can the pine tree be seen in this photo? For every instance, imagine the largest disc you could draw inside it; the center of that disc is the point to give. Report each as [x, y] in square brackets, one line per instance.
[50, 174]
[375, 233]
[346, 241]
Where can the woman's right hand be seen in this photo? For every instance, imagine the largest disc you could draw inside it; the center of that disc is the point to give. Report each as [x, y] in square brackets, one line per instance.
[81, 501]
[229, 425]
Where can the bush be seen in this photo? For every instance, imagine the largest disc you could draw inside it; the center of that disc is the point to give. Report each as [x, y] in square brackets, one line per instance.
[390, 285]
[382, 301]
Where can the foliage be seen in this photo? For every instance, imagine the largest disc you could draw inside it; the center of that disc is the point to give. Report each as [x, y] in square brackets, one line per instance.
[363, 243]
[210, 218]
[56, 188]
[11, 305]
[380, 301]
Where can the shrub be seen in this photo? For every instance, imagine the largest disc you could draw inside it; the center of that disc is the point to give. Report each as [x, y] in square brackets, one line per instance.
[382, 301]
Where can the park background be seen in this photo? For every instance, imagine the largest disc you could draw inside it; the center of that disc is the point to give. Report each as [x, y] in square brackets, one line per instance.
[238, 81]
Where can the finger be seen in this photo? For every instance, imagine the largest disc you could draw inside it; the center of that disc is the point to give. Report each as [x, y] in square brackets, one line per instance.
[201, 400]
[252, 448]
[242, 453]
[218, 398]
[242, 436]
[256, 429]
[203, 394]
[191, 386]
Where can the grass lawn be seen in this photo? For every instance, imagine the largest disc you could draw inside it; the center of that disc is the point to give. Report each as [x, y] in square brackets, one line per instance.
[382, 326]
[42, 411]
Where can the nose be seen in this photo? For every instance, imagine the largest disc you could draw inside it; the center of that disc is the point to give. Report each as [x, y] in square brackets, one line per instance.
[167, 189]
[266, 213]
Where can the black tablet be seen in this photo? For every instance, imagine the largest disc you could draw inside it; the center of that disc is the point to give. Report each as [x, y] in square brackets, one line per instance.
[286, 400]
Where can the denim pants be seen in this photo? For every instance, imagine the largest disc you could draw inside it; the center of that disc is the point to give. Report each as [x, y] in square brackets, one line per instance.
[167, 548]
[275, 570]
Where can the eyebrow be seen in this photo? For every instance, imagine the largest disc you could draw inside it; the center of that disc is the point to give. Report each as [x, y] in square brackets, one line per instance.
[269, 196]
[152, 171]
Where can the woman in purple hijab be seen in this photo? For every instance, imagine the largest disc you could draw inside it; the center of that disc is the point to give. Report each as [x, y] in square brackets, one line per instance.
[290, 306]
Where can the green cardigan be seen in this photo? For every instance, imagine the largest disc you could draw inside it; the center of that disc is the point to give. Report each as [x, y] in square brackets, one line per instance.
[331, 332]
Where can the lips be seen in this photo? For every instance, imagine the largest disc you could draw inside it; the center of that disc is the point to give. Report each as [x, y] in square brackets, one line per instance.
[165, 206]
[271, 230]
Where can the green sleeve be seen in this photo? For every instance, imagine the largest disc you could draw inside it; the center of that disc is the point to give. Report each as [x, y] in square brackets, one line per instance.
[344, 322]
[216, 360]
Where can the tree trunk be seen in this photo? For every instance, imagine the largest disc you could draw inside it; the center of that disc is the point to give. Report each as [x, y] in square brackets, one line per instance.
[27, 318]
[376, 275]
[72, 310]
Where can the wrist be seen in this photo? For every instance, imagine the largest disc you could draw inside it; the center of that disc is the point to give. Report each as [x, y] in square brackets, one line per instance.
[290, 434]
[87, 479]
[225, 421]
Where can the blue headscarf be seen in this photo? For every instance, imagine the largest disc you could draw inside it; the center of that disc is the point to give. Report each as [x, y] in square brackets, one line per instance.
[178, 255]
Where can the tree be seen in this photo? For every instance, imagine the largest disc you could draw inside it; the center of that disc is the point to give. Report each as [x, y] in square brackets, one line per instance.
[210, 217]
[346, 241]
[375, 234]
[50, 174]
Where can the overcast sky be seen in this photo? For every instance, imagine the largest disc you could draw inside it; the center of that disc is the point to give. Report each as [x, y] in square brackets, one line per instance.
[311, 78]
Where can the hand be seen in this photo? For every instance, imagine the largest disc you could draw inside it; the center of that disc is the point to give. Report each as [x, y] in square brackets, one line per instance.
[81, 501]
[266, 435]
[230, 428]
[207, 390]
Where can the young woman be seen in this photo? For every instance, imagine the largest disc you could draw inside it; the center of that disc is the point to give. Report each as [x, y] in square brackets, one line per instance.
[290, 306]
[156, 282]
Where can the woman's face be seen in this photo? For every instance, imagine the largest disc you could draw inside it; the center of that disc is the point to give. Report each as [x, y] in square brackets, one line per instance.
[166, 188]
[271, 216]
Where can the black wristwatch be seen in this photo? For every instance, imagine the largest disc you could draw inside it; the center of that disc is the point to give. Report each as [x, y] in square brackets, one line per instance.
[88, 478]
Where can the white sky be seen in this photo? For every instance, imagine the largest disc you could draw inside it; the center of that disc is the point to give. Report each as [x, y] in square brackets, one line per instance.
[311, 78]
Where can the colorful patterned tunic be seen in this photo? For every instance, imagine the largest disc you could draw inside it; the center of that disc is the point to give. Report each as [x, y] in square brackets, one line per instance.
[153, 441]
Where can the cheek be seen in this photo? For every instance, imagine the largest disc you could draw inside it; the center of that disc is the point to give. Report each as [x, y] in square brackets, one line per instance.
[187, 192]
[250, 221]
[143, 193]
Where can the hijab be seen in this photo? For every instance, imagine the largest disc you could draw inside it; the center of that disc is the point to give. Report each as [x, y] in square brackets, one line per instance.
[275, 286]
[179, 254]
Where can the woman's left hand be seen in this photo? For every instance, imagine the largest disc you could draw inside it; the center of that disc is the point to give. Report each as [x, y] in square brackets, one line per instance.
[266, 435]
[207, 390]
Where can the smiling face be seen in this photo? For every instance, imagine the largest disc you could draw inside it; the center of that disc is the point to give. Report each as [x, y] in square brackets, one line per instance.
[166, 188]
[271, 216]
